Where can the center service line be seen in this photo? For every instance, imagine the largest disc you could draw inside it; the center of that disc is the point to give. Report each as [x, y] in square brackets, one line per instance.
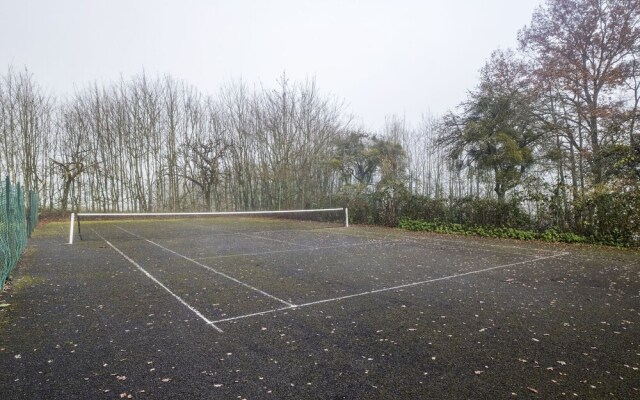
[190, 307]
[210, 269]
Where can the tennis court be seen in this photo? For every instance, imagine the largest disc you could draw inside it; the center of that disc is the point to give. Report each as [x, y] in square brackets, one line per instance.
[239, 268]
[265, 307]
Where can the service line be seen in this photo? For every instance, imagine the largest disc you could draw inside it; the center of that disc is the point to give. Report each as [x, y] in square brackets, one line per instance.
[292, 307]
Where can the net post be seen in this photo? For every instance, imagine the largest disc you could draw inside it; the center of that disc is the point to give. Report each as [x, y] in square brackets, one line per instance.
[346, 217]
[71, 228]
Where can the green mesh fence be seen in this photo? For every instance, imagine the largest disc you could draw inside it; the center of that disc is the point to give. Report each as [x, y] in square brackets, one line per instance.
[15, 225]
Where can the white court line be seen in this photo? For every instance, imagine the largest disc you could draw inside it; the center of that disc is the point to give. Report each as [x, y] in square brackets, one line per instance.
[196, 312]
[374, 241]
[382, 242]
[389, 288]
[255, 314]
[399, 237]
[209, 268]
[310, 230]
[274, 240]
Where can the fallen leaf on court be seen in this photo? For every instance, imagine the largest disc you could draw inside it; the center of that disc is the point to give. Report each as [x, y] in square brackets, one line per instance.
[532, 389]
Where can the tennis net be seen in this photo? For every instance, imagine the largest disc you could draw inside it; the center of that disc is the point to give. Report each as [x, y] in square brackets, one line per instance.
[88, 226]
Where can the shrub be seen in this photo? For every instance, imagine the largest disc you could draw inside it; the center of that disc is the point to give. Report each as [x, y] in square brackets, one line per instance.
[550, 235]
[611, 217]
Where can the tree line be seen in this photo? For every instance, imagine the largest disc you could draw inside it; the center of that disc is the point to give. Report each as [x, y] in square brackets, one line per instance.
[161, 145]
[554, 123]
[547, 139]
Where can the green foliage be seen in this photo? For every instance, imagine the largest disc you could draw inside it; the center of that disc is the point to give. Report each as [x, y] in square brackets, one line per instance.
[611, 217]
[471, 211]
[424, 208]
[374, 187]
[619, 163]
[364, 158]
[496, 132]
[549, 235]
[355, 157]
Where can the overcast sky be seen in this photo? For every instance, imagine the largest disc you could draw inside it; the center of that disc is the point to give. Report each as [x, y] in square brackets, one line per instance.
[404, 57]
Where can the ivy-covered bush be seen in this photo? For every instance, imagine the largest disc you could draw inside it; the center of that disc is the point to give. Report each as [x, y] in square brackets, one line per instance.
[611, 217]
[503, 233]
[605, 216]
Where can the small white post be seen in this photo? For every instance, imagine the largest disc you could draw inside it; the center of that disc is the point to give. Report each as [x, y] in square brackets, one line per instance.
[346, 217]
[73, 217]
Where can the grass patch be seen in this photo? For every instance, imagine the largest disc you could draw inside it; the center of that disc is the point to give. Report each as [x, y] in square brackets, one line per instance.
[26, 281]
[15, 285]
[52, 229]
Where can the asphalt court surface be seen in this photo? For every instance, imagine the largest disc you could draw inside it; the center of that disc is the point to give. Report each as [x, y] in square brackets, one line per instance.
[186, 309]
[296, 267]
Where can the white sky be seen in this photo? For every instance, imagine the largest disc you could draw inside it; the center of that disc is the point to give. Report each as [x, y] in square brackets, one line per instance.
[404, 57]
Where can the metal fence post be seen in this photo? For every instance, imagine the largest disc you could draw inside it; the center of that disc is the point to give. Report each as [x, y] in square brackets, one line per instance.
[6, 194]
[27, 195]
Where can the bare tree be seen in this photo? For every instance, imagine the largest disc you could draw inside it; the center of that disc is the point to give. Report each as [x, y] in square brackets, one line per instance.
[586, 47]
